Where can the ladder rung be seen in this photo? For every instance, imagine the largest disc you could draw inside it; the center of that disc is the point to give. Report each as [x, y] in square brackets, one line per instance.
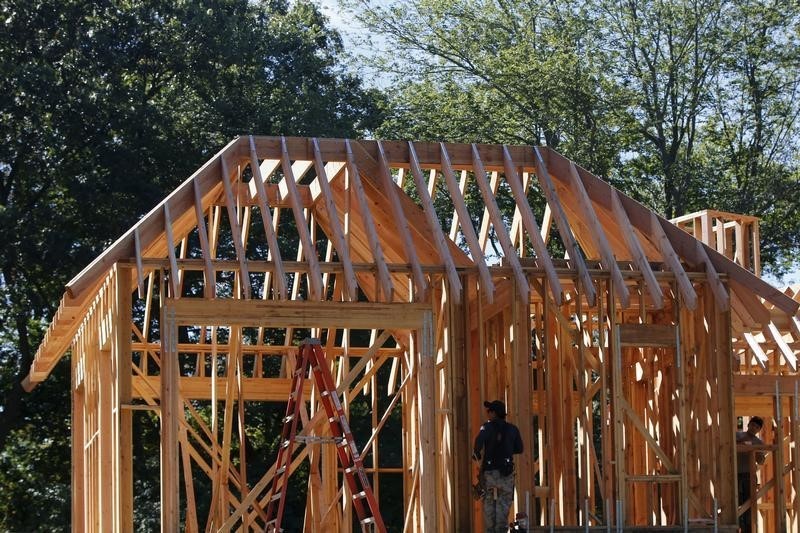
[359, 495]
[276, 497]
[288, 418]
[285, 444]
[370, 520]
[351, 469]
[325, 393]
[280, 471]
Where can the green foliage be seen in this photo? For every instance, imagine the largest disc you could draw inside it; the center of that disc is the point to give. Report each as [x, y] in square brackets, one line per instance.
[106, 107]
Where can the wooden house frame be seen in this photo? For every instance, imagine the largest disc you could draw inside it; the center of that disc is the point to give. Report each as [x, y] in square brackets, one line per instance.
[626, 361]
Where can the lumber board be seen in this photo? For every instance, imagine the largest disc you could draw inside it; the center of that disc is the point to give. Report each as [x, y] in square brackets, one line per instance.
[298, 314]
[499, 226]
[529, 222]
[402, 225]
[308, 247]
[266, 217]
[466, 224]
[337, 232]
[564, 230]
[652, 335]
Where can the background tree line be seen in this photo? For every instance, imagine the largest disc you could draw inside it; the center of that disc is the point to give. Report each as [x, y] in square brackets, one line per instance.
[106, 105]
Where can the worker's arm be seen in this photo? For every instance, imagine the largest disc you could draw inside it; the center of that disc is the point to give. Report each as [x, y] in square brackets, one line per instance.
[480, 442]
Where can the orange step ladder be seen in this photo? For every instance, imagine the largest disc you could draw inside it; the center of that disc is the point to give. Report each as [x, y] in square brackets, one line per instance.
[364, 503]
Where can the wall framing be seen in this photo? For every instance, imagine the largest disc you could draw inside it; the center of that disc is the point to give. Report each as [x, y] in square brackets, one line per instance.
[620, 364]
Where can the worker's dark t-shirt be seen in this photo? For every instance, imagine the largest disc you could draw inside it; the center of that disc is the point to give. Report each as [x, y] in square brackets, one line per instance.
[497, 442]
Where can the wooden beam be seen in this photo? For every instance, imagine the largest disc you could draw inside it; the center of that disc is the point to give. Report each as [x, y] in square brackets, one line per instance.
[205, 248]
[564, 228]
[170, 415]
[337, 233]
[755, 347]
[173, 263]
[236, 230]
[390, 188]
[439, 238]
[385, 280]
[720, 293]
[266, 218]
[636, 251]
[309, 248]
[200, 388]
[599, 236]
[784, 349]
[673, 262]
[499, 226]
[466, 224]
[298, 314]
[682, 243]
[529, 222]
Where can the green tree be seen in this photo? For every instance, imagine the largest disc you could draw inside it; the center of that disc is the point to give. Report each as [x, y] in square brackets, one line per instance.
[666, 56]
[751, 137]
[105, 107]
[513, 72]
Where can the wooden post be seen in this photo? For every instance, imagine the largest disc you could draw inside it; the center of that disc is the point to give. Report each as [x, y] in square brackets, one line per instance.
[79, 488]
[121, 366]
[459, 372]
[428, 440]
[170, 517]
[727, 497]
[521, 376]
[106, 439]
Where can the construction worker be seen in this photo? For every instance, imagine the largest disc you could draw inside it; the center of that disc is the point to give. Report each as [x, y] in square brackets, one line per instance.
[495, 445]
[749, 437]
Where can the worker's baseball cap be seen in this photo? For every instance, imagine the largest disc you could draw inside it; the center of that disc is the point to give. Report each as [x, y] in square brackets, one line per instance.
[497, 407]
